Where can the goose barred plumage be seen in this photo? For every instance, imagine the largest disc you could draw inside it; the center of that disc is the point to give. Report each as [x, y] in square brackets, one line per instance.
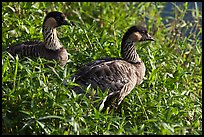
[119, 75]
[51, 48]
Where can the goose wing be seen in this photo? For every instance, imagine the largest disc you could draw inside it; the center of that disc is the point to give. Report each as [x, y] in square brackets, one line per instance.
[119, 76]
[29, 48]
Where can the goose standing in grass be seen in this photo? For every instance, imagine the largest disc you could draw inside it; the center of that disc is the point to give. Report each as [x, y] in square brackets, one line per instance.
[51, 48]
[118, 76]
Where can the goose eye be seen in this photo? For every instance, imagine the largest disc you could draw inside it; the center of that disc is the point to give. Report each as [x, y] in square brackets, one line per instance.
[59, 18]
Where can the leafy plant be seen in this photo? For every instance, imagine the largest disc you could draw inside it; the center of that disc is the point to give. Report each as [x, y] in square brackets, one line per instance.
[169, 101]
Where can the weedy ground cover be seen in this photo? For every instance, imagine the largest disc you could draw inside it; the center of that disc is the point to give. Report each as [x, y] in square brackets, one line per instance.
[169, 101]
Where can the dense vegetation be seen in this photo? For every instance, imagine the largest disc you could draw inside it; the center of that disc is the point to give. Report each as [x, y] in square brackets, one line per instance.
[169, 101]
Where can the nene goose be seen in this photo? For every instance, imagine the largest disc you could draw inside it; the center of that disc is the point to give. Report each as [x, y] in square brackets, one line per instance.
[51, 48]
[119, 75]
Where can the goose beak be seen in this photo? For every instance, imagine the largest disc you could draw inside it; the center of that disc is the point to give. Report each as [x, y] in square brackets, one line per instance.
[68, 23]
[149, 37]
[65, 22]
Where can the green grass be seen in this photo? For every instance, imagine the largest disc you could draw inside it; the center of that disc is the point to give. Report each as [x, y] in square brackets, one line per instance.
[169, 101]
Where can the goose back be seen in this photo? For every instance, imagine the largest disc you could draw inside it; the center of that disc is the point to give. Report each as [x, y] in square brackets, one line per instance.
[117, 76]
[38, 49]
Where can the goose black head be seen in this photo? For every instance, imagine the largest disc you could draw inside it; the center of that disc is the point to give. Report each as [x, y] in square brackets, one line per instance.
[138, 33]
[55, 19]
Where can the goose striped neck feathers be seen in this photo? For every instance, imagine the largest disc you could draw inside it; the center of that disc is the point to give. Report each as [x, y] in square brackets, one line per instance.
[50, 48]
[134, 34]
[117, 75]
[51, 22]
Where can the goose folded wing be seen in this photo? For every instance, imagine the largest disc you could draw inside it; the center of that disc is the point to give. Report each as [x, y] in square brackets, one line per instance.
[112, 74]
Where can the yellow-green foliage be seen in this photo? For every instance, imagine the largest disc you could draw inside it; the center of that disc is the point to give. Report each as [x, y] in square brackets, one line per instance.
[169, 101]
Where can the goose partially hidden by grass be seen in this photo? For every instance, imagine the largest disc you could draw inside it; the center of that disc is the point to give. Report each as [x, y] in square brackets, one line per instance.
[118, 76]
[51, 48]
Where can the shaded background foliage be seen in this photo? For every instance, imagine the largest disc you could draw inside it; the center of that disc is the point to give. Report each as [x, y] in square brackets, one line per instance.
[34, 101]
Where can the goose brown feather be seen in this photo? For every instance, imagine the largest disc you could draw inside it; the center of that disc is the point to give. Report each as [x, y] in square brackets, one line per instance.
[51, 48]
[38, 49]
[119, 75]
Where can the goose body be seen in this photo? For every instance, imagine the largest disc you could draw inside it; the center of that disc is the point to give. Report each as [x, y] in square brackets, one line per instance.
[51, 48]
[120, 75]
